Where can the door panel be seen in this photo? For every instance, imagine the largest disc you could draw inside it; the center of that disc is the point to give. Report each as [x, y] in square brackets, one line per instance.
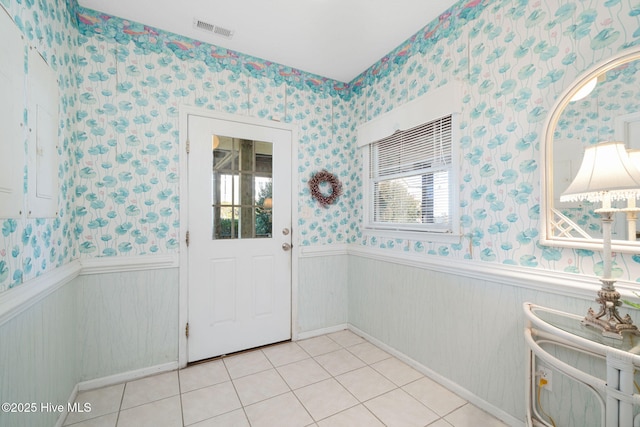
[263, 286]
[223, 290]
[239, 273]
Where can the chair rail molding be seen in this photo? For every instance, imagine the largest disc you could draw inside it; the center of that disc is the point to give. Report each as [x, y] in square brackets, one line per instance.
[323, 250]
[121, 264]
[15, 301]
[549, 281]
[18, 299]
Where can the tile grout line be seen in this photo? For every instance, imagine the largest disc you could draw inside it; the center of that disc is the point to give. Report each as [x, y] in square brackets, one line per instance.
[244, 411]
[291, 390]
[120, 405]
[179, 394]
[346, 389]
[290, 360]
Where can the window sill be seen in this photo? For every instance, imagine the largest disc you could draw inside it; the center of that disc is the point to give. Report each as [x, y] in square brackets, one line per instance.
[423, 236]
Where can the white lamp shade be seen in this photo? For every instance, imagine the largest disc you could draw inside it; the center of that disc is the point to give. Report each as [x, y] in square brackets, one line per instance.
[634, 156]
[606, 171]
[585, 90]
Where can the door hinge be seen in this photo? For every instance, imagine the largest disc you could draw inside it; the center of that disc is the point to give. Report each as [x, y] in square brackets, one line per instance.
[186, 239]
[188, 144]
[186, 330]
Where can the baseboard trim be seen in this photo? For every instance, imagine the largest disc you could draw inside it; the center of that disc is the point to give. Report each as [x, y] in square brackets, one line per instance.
[112, 380]
[126, 376]
[65, 412]
[318, 332]
[445, 382]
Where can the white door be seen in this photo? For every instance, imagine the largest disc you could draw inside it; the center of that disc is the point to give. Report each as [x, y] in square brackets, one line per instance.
[239, 236]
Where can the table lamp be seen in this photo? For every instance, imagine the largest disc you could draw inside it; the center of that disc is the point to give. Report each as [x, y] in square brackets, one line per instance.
[606, 174]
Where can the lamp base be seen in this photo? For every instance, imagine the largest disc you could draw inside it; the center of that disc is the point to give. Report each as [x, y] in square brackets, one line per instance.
[608, 319]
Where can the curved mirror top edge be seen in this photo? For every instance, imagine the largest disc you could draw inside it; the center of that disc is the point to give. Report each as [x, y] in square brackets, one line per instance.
[609, 111]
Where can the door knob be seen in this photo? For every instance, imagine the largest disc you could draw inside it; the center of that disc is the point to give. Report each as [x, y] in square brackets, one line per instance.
[285, 231]
[286, 246]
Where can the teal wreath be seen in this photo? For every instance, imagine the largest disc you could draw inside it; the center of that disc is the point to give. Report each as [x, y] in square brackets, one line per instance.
[314, 186]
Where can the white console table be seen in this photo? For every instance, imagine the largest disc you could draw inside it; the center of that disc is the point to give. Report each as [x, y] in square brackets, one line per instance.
[614, 359]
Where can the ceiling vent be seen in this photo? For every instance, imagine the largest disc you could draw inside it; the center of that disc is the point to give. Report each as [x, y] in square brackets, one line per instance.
[211, 28]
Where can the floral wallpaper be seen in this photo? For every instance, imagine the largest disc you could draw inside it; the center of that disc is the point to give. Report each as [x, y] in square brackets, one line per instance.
[29, 247]
[514, 58]
[132, 81]
[124, 82]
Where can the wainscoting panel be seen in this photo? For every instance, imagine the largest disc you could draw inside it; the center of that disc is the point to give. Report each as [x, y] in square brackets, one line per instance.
[129, 321]
[38, 357]
[112, 319]
[465, 329]
[322, 291]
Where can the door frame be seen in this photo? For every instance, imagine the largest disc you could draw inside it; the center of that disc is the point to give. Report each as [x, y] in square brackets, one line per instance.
[183, 310]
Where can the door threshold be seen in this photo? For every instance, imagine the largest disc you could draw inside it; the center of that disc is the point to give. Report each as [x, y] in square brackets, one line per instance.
[222, 356]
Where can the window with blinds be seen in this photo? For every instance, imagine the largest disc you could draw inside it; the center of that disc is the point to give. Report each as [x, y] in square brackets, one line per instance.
[410, 179]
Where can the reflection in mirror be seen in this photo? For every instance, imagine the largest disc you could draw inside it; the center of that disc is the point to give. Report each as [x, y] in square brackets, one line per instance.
[609, 111]
[242, 185]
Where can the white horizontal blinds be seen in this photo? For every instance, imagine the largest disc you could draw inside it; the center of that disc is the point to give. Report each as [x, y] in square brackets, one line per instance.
[410, 174]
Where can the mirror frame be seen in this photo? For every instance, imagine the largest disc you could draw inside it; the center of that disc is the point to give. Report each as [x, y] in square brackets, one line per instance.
[546, 178]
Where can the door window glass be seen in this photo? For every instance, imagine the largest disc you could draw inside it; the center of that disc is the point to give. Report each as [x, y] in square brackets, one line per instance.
[241, 188]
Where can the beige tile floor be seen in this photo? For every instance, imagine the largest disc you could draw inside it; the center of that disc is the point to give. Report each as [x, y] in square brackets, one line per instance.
[333, 380]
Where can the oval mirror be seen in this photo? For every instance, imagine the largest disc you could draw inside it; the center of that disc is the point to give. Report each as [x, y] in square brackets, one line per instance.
[602, 105]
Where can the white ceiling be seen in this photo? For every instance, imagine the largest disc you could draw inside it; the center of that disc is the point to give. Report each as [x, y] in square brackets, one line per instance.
[338, 39]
